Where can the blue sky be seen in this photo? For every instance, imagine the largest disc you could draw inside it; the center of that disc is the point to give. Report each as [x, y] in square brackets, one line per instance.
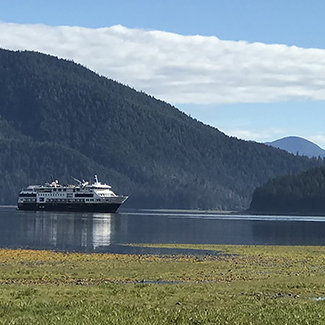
[232, 76]
[291, 22]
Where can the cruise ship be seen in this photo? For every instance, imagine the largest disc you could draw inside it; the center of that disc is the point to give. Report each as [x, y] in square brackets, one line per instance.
[83, 197]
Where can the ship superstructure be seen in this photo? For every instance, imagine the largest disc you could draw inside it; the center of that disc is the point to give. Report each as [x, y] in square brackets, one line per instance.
[95, 197]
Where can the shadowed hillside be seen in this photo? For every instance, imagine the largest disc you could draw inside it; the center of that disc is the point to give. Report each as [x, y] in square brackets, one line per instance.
[59, 118]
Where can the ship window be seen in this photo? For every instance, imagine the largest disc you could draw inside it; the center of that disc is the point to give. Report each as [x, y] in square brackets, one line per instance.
[84, 195]
[59, 190]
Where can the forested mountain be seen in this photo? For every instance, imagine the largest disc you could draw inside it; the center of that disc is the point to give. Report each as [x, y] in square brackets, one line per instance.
[298, 146]
[293, 194]
[59, 118]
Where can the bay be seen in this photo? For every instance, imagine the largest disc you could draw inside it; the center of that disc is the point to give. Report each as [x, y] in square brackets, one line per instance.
[112, 232]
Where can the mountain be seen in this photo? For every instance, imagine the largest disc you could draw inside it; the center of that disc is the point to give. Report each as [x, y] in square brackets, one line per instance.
[299, 146]
[59, 118]
[301, 194]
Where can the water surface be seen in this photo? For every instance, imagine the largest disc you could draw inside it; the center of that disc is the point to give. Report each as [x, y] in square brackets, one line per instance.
[100, 232]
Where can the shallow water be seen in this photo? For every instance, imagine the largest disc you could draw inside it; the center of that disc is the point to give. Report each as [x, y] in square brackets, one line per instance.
[98, 232]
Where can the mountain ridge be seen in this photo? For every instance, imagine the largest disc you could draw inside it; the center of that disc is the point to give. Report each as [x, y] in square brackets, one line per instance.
[62, 119]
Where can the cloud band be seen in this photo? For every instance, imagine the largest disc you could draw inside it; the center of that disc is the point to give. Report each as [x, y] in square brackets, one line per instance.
[181, 69]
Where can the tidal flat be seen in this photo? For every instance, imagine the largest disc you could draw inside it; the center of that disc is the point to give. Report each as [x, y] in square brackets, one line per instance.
[242, 285]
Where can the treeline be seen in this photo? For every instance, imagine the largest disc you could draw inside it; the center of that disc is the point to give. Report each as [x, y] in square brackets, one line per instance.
[296, 194]
[57, 117]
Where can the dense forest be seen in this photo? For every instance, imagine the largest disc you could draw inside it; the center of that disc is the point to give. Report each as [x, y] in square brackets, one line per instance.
[293, 194]
[59, 118]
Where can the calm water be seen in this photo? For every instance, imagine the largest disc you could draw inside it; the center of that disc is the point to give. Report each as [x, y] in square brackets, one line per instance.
[93, 232]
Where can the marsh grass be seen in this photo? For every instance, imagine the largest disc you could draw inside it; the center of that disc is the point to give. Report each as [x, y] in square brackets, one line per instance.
[251, 285]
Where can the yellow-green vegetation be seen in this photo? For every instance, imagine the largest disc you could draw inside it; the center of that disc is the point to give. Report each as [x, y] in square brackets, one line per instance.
[251, 285]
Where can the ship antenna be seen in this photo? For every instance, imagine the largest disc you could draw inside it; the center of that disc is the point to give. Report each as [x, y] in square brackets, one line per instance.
[76, 180]
[96, 179]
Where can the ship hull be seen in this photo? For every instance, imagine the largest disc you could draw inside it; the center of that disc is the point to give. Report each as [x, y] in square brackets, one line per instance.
[70, 207]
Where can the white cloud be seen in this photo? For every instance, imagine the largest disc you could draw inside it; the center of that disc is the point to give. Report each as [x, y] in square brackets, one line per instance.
[181, 69]
[266, 135]
[319, 139]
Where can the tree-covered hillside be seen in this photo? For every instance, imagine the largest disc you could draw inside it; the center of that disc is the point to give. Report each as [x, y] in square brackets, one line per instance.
[59, 118]
[293, 194]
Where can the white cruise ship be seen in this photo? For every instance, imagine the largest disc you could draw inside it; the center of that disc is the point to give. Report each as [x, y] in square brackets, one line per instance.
[84, 197]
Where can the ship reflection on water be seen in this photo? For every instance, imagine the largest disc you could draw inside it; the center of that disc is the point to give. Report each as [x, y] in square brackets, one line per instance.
[88, 232]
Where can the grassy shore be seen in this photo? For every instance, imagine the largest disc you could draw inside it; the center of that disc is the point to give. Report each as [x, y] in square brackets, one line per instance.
[252, 285]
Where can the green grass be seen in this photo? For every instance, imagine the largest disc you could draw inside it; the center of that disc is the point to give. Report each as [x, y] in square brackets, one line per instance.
[260, 285]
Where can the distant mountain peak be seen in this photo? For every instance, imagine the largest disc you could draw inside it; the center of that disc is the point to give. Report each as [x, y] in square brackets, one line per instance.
[299, 146]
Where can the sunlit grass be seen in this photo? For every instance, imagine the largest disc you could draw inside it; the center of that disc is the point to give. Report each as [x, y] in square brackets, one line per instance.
[251, 285]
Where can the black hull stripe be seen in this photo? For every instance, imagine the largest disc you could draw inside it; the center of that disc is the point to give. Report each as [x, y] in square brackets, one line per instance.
[70, 207]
